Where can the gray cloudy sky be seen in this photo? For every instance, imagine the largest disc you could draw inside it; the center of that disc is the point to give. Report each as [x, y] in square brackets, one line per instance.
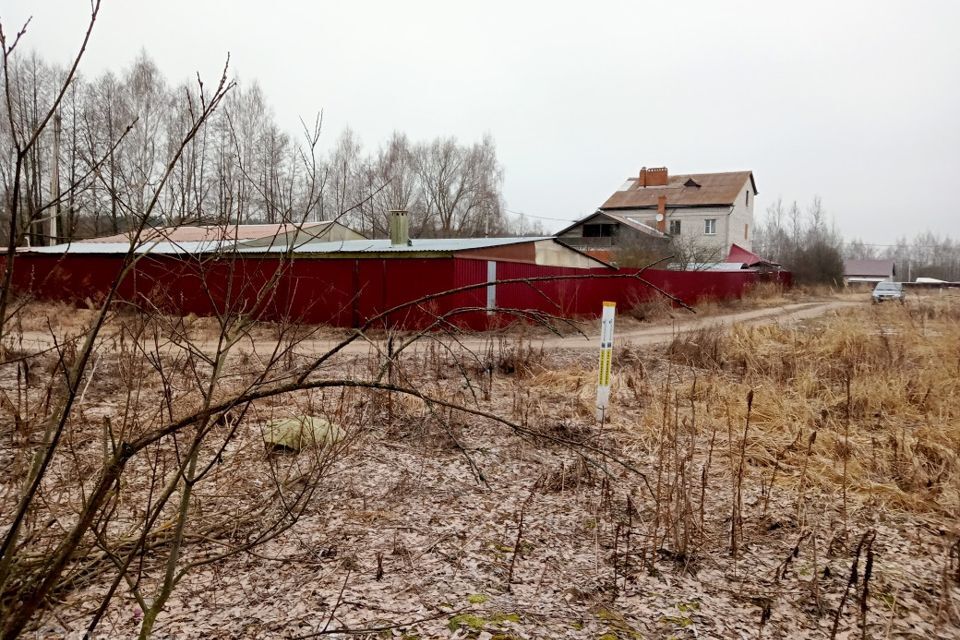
[857, 101]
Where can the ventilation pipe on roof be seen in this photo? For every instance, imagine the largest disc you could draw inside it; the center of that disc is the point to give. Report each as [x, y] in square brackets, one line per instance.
[399, 228]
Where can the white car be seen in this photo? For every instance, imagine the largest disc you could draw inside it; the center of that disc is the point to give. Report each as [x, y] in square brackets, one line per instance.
[888, 291]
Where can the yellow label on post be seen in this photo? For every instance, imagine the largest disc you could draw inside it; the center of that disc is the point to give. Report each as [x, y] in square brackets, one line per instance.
[606, 357]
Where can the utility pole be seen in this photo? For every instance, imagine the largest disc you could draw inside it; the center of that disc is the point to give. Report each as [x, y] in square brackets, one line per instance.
[54, 216]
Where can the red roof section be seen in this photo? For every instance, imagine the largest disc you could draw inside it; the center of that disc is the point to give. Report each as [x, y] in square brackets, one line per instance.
[749, 258]
[684, 190]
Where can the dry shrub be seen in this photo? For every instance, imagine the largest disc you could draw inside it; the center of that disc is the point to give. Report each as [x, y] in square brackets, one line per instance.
[42, 315]
[573, 387]
[407, 417]
[509, 355]
[768, 293]
[518, 357]
[812, 290]
[939, 305]
[650, 309]
[568, 475]
[565, 381]
[566, 431]
[702, 348]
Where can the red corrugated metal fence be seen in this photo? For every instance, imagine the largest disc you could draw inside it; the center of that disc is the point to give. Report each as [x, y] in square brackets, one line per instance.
[349, 291]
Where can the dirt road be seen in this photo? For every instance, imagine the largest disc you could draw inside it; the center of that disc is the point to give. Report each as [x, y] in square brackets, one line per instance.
[662, 333]
[643, 336]
[655, 334]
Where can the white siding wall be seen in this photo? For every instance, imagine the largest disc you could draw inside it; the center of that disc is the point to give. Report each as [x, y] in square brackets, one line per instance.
[692, 225]
[742, 214]
[730, 223]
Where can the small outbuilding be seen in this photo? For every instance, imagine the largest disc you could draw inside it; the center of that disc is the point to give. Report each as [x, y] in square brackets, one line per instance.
[868, 271]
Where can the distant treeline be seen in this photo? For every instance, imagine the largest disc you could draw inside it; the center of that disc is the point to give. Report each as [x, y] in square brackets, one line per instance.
[927, 255]
[113, 136]
[807, 242]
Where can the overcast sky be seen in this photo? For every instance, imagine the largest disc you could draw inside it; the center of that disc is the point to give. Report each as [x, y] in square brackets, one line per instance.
[857, 101]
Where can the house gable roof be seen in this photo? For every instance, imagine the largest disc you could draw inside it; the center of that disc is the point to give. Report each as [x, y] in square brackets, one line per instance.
[684, 190]
[869, 268]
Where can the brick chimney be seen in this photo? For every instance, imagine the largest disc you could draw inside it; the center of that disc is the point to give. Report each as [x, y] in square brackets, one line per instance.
[662, 213]
[656, 177]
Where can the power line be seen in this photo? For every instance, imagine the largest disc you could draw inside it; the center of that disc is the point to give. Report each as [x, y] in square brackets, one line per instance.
[530, 215]
[905, 245]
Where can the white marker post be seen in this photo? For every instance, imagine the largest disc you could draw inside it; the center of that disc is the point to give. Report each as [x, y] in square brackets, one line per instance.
[606, 358]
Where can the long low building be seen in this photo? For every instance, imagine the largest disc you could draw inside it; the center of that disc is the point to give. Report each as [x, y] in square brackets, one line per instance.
[354, 282]
[868, 271]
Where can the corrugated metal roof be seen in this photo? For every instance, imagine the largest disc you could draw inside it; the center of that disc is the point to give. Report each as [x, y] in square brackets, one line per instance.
[442, 245]
[211, 232]
[439, 245]
[150, 246]
[709, 266]
[715, 189]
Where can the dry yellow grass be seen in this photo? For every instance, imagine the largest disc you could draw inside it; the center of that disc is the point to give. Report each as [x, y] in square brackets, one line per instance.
[880, 386]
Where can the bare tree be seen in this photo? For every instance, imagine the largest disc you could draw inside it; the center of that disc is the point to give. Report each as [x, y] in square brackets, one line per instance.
[394, 167]
[691, 253]
[806, 243]
[926, 255]
[143, 91]
[342, 183]
[461, 187]
[23, 201]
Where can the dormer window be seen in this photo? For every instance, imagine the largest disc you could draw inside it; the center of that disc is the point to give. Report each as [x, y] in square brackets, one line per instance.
[691, 183]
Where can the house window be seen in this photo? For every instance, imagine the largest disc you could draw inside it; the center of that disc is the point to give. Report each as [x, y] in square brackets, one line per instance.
[746, 199]
[710, 226]
[674, 227]
[599, 230]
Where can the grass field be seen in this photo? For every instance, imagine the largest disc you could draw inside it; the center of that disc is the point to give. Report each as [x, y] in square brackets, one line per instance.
[777, 481]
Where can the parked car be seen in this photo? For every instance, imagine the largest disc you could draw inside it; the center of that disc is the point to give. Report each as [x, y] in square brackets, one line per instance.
[888, 291]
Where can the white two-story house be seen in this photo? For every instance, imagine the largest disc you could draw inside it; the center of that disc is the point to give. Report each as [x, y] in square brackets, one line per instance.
[705, 211]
